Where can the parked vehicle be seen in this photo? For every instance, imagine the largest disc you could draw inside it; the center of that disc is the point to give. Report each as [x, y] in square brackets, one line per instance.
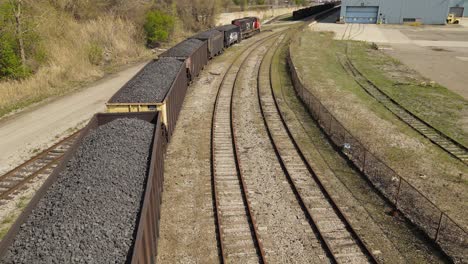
[452, 19]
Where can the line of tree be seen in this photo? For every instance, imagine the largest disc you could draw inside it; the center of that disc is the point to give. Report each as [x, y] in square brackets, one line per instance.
[17, 37]
[21, 49]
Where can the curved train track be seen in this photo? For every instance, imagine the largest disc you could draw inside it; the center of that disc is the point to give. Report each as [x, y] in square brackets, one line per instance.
[238, 235]
[443, 141]
[236, 226]
[333, 228]
[237, 229]
[41, 165]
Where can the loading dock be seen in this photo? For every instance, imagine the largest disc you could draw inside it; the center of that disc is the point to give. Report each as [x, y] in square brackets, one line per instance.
[362, 14]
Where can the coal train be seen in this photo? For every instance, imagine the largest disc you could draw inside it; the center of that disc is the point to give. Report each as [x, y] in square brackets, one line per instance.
[194, 53]
[152, 98]
[86, 210]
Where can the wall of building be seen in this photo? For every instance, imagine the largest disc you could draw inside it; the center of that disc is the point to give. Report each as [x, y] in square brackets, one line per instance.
[394, 11]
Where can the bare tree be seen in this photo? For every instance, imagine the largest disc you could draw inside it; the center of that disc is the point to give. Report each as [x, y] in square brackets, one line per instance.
[17, 4]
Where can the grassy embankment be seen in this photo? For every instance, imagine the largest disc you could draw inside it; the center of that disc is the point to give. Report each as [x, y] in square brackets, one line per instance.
[77, 53]
[346, 184]
[7, 221]
[440, 107]
[428, 168]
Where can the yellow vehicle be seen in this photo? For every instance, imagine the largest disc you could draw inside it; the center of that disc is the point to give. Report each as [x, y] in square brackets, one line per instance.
[451, 19]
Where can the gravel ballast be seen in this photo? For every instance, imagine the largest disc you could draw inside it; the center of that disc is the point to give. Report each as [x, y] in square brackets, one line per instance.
[89, 213]
[152, 84]
[184, 49]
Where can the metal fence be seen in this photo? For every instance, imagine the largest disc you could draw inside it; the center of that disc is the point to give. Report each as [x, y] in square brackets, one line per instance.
[438, 226]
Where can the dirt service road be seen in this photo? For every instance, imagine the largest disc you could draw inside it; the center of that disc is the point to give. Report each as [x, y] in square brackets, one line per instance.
[24, 134]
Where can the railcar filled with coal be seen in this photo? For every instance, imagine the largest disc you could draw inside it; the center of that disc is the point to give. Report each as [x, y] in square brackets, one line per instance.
[214, 39]
[160, 86]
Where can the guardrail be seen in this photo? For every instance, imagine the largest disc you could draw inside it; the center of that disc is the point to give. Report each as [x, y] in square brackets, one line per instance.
[414, 205]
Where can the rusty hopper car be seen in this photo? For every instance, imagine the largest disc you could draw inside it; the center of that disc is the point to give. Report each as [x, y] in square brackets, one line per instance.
[232, 34]
[249, 26]
[47, 203]
[159, 86]
[215, 41]
[193, 52]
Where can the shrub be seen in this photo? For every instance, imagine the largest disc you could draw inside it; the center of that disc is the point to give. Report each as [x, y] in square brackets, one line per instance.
[158, 27]
[11, 66]
[95, 54]
[10, 63]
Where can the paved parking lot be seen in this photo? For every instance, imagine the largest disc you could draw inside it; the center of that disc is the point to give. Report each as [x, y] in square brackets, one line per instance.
[439, 53]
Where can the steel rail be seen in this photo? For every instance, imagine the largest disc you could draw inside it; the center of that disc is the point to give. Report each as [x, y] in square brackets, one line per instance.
[35, 166]
[329, 166]
[219, 222]
[437, 137]
[331, 249]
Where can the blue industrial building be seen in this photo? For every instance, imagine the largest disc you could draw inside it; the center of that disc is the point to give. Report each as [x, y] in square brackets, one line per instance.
[398, 11]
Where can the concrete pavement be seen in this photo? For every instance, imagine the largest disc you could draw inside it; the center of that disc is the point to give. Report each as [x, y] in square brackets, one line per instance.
[439, 53]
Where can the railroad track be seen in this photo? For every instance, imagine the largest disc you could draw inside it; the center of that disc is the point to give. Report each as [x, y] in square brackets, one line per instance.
[333, 228]
[41, 165]
[237, 229]
[443, 141]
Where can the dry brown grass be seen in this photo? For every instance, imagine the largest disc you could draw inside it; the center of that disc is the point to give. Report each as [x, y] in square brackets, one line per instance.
[69, 45]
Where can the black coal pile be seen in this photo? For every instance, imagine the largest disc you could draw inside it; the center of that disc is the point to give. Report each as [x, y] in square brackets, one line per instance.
[207, 34]
[89, 214]
[227, 28]
[151, 84]
[183, 49]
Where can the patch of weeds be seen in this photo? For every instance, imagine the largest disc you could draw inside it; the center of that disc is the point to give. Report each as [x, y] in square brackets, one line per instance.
[22, 203]
[95, 54]
[35, 151]
[428, 100]
[6, 224]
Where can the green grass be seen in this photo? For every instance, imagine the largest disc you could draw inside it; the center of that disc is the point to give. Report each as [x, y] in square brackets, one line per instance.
[6, 223]
[436, 105]
[317, 147]
[317, 52]
[431, 170]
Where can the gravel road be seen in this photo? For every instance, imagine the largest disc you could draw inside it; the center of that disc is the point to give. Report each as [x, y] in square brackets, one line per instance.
[40, 126]
[89, 214]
